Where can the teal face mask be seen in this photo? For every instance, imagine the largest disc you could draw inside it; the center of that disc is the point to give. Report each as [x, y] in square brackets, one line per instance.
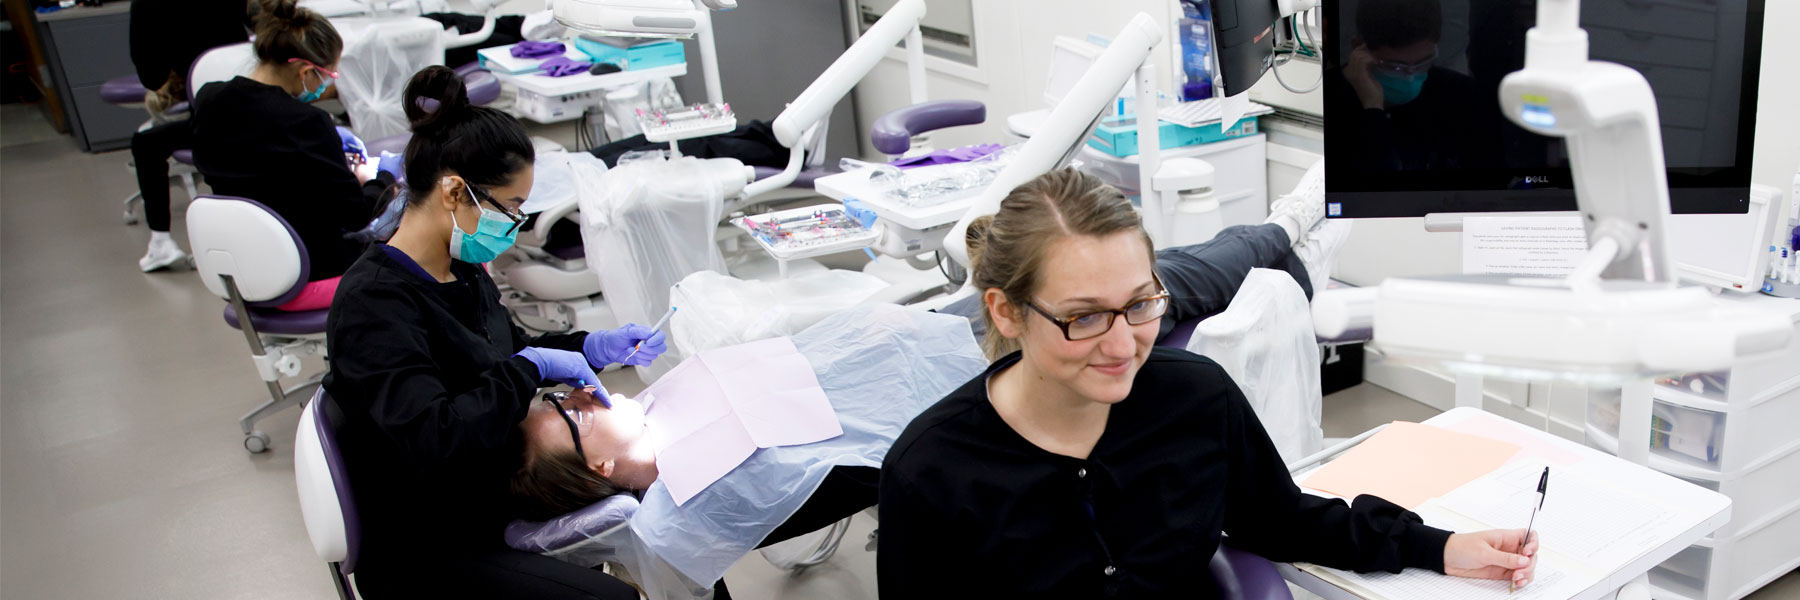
[315, 93]
[1401, 89]
[494, 233]
[326, 78]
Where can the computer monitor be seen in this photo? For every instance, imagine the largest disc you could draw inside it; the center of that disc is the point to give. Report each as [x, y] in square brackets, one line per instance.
[1421, 131]
[1244, 36]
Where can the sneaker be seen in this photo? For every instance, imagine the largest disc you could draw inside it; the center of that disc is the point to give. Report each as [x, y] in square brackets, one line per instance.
[1318, 250]
[1305, 205]
[161, 256]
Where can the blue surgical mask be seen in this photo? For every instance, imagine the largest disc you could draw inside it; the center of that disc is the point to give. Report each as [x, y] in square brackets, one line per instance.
[315, 93]
[1401, 89]
[491, 237]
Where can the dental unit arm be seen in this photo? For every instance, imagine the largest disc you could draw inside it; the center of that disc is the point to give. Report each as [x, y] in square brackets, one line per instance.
[1068, 125]
[797, 124]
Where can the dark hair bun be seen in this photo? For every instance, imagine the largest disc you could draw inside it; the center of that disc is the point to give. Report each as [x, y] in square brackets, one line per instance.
[285, 30]
[435, 98]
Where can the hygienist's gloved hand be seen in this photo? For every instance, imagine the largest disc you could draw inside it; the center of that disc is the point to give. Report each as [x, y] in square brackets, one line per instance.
[393, 164]
[607, 347]
[561, 366]
[352, 144]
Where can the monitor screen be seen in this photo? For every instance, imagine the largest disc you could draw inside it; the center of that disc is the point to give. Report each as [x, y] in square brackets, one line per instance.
[1411, 97]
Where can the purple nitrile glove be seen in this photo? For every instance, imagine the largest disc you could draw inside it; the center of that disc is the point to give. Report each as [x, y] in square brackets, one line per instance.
[561, 366]
[529, 49]
[393, 164]
[607, 347]
[561, 66]
[352, 144]
[945, 157]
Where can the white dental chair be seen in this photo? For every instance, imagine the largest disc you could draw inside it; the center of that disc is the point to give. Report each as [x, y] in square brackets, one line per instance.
[326, 504]
[250, 257]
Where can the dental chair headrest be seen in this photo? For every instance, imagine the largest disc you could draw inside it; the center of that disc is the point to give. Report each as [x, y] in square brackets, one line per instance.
[580, 526]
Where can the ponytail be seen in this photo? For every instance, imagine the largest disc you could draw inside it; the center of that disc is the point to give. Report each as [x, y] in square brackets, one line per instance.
[482, 145]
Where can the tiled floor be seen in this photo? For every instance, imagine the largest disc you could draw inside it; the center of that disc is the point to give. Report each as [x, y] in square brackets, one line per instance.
[121, 470]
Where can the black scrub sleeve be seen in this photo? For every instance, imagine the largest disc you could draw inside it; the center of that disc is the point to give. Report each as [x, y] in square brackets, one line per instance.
[555, 341]
[1267, 514]
[386, 359]
[326, 173]
[919, 550]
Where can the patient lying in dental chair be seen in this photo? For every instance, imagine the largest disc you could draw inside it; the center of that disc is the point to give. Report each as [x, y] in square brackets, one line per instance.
[879, 366]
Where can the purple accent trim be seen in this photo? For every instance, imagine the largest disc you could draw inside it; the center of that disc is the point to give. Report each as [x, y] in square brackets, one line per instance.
[123, 90]
[340, 477]
[465, 70]
[268, 320]
[892, 133]
[1180, 335]
[299, 282]
[803, 180]
[411, 266]
[184, 156]
[1245, 576]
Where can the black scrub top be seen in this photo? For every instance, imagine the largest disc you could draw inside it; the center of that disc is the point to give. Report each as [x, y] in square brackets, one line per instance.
[968, 504]
[432, 397]
[253, 140]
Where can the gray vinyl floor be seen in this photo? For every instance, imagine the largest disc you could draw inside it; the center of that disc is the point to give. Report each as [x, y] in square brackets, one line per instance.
[121, 469]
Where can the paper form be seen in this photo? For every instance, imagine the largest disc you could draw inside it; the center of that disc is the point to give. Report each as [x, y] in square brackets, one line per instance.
[1409, 463]
[1531, 447]
[710, 413]
[1603, 527]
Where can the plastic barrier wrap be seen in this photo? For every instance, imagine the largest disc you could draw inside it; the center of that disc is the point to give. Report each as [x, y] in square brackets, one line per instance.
[375, 70]
[646, 225]
[719, 310]
[879, 365]
[1266, 343]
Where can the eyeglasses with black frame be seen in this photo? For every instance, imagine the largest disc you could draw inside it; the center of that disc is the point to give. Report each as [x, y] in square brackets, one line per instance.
[1091, 324]
[518, 218]
[555, 399]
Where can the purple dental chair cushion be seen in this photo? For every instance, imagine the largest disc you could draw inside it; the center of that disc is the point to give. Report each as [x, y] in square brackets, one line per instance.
[185, 156]
[566, 530]
[268, 320]
[803, 180]
[1245, 576]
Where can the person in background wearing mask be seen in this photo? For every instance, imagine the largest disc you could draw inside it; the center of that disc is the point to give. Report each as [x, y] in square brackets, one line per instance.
[432, 377]
[1400, 111]
[257, 137]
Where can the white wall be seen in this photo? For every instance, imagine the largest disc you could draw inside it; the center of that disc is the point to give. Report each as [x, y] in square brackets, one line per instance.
[1012, 39]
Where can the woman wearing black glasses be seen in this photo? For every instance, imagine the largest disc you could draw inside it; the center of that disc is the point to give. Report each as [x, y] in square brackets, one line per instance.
[1085, 463]
[433, 378]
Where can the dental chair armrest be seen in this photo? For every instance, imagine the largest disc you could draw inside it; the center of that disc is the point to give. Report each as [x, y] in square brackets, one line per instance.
[893, 132]
[539, 234]
[1245, 576]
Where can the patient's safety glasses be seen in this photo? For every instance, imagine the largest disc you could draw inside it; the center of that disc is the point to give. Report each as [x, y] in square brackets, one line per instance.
[1091, 324]
[555, 399]
[518, 218]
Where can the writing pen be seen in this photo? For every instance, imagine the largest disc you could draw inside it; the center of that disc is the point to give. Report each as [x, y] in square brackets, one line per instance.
[1543, 483]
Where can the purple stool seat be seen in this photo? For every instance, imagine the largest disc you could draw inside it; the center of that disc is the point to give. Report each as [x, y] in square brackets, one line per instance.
[185, 156]
[1180, 335]
[123, 90]
[804, 180]
[268, 320]
[893, 132]
[1245, 576]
